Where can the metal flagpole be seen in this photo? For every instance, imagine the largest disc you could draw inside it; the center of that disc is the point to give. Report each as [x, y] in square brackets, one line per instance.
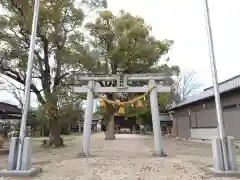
[27, 84]
[219, 113]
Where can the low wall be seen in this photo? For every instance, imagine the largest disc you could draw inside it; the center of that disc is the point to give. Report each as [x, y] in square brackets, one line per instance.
[203, 133]
[165, 117]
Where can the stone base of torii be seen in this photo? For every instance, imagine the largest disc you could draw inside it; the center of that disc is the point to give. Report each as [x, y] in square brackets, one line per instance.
[122, 81]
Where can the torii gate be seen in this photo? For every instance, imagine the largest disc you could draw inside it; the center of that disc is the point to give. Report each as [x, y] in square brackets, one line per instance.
[122, 86]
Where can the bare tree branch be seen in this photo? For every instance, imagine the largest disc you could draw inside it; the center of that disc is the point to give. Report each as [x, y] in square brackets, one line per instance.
[187, 85]
[16, 76]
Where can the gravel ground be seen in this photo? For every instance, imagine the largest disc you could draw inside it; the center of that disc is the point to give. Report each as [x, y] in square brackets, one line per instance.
[127, 158]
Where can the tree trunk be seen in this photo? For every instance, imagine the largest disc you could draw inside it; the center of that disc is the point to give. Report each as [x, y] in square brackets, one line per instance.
[55, 139]
[109, 119]
[79, 127]
[110, 133]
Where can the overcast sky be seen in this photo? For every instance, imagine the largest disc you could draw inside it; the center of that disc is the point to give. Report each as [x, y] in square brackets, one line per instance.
[183, 21]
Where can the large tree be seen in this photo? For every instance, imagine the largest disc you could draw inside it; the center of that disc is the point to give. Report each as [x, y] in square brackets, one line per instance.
[59, 48]
[123, 41]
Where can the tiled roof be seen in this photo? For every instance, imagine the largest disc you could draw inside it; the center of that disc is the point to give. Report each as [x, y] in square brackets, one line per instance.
[9, 108]
[224, 86]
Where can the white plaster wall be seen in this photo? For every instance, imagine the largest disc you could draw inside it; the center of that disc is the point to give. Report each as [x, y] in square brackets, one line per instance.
[203, 133]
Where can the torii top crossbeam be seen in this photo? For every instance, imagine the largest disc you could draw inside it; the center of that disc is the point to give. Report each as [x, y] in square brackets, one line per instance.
[121, 79]
[109, 77]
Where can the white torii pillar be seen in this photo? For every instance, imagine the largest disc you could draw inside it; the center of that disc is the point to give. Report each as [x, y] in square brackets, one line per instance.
[87, 127]
[157, 133]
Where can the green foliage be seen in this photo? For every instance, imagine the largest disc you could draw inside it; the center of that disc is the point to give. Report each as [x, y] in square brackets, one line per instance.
[114, 41]
[60, 46]
[133, 111]
[144, 113]
[41, 117]
[164, 99]
[124, 41]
